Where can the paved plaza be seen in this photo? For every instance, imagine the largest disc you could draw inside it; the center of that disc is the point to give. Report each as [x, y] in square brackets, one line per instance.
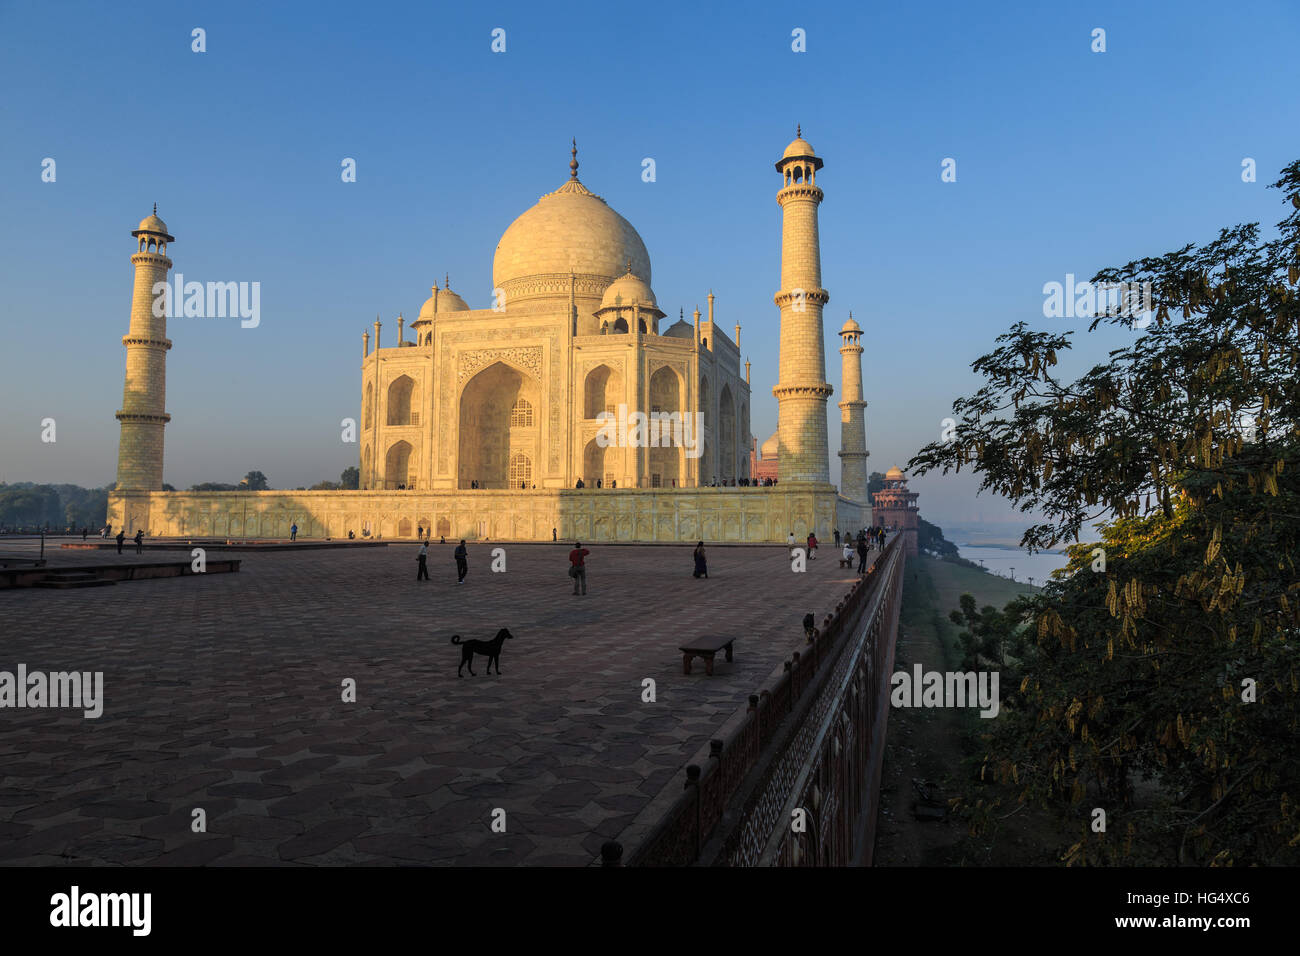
[224, 693]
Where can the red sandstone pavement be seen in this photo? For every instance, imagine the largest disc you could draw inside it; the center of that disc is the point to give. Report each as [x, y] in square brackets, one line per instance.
[224, 693]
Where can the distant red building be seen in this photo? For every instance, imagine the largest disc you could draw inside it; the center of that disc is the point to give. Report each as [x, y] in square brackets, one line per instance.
[894, 507]
[765, 467]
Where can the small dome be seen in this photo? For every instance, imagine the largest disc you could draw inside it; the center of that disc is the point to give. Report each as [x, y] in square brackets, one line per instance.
[151, 223]
[799, 148]
[627, 291]
[850, 326]
[447, 301]
[772, 447]
[895, 474]
[681, 329]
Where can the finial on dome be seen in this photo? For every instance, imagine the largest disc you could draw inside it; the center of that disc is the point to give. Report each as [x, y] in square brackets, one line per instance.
[629, 265]
[155, 209]
[573, 163]
[447, 281]
[798, 131]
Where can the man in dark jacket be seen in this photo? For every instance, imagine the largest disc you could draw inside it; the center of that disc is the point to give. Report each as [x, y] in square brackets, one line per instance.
[462, 562]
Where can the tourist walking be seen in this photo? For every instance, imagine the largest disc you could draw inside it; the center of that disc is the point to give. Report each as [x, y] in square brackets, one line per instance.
[121, 537]
[812, 545]
[862, 554]
[462, 562]
[701, 565]
[880, 538]
[837, 537]
[293, 531]
[578, 566]
[422, 572]
[84, 532]
[139, 541]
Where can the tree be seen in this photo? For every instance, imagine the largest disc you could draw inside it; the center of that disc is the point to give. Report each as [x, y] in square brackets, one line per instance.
[325, 486]
[351, 478]
[875, 482]
[1168, 654]
[214, 486]
[254, 481]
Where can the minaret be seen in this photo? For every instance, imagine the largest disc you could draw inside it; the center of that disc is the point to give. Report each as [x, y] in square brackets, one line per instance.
[853, 416]
[144, 396]
[801, 390]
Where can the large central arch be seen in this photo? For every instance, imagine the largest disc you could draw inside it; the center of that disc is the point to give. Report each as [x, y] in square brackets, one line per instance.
[488, 441]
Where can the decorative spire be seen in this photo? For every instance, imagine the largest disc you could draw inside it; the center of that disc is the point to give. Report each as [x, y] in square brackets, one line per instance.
[155, 209]
[447, 281]
[798, 131]
[629, 265]
[573, 163]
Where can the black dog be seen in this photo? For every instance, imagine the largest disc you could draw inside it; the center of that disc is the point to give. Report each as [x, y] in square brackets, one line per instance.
[489, 649]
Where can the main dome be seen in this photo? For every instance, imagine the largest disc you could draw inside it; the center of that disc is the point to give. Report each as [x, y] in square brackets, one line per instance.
[569, 230]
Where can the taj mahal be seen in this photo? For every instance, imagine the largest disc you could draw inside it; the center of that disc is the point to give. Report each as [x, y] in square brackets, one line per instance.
[485, 423]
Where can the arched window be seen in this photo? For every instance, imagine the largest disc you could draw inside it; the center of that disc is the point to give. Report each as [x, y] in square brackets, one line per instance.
[521, 415]
[620, 325]
[401, 397]
[521, 471]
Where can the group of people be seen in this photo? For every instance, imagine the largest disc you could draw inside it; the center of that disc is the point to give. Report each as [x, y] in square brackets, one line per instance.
[461, 555]
[121, 539]
[869, 539]
[577, 563]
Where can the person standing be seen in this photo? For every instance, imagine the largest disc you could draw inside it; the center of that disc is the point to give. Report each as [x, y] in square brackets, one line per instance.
[139, 541]
[881, 539]
[554, 537]
[121, 537]
[419, 532]
[848, 551]
[578, 566]
[462, 562]
[422, 572]
[812, 545]
[293, 531]
[84, 532]
[837, 537]
[701, 565]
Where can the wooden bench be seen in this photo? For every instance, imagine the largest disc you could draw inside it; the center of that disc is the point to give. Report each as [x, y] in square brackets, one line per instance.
[705, 646]
[846, 562]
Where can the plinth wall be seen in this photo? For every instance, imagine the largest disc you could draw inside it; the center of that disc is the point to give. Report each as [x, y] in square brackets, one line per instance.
[760, 514]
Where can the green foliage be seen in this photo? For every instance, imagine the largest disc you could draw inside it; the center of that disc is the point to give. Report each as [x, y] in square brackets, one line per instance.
[351, 478]
[325, 486]
[254, 481]
[214, 486]
[25, 504]
[1132, 695]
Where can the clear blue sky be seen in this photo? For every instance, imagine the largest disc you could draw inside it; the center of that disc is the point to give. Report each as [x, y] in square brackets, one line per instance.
[1067, 161]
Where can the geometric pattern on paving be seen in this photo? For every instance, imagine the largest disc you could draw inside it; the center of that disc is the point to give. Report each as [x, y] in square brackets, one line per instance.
[224, 692]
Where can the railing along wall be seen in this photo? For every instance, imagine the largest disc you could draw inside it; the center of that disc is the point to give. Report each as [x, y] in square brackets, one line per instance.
[805, 741]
